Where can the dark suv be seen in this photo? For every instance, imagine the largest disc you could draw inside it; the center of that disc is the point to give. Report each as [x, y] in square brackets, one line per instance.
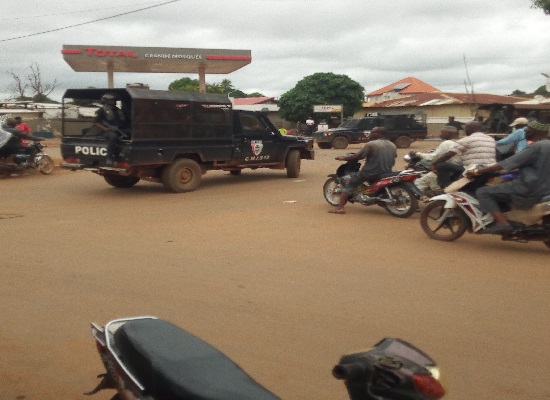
[402, 129]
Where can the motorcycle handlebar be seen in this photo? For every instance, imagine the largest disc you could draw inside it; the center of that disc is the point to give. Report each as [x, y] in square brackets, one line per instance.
[348, 371]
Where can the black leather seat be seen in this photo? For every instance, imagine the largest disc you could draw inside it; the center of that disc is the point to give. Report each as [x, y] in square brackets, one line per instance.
[172, 364]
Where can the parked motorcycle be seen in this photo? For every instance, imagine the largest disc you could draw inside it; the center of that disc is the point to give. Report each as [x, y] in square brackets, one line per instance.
[395, 191]
[151, 359]
[448, 216]
[22, 161]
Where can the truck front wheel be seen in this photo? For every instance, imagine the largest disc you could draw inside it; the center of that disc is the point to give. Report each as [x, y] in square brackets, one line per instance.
[293, 162]
[340, 142]
[403, 142]
[183, 175]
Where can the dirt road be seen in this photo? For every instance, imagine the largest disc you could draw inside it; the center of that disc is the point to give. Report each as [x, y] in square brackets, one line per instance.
[282, 287]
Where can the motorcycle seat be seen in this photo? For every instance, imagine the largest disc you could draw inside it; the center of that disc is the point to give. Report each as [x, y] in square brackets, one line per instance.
[382, 176]
[173, 364]
[388, 174]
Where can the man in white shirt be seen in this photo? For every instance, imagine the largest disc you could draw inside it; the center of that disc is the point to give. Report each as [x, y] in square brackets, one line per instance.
[310, 126]
[428, 182]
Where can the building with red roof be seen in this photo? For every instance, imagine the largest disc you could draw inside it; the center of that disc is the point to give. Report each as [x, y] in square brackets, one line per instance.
[248, 101]
[404, 87]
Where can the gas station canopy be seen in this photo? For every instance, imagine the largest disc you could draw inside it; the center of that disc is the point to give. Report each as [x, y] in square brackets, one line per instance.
[110, 59]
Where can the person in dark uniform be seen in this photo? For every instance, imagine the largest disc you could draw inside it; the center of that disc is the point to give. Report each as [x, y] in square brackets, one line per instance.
[110, 120]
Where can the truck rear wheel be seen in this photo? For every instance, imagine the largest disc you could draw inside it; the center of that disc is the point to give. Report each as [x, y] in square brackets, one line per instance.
[340, 142]
[183, 175]
[120, 181]
[293, 162]
[403, 142]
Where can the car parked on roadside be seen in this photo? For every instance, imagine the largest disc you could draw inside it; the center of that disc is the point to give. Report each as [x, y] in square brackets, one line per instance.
[402, 129]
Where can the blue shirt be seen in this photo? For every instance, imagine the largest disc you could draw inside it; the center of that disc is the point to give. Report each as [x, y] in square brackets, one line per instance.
[517, 138]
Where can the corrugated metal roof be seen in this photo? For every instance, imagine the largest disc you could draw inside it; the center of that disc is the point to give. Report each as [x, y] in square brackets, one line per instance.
[441, 98]
[407, 85]
[135, 93]
[241, 101]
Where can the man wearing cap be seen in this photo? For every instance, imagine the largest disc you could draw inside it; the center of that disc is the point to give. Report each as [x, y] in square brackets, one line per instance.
[517, 137]
[532, 185]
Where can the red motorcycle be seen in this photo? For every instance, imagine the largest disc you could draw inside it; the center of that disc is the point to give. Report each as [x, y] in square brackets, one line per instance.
[395, 191]
[150, 359]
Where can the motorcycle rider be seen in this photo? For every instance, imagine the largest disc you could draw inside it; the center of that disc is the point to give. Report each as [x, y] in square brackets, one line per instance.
[531, 186]
[109, 118]
[14, 144]
[428, 182]
[476, 148]
[517, 137]
[379, 154]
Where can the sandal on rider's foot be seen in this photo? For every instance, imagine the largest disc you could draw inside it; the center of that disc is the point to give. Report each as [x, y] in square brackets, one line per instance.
[336, 211]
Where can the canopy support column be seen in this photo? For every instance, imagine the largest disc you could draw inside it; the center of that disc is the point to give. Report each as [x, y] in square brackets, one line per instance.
[110, 75]
[202, 78]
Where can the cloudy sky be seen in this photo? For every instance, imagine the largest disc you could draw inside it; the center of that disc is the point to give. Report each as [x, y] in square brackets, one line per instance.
[505, 43]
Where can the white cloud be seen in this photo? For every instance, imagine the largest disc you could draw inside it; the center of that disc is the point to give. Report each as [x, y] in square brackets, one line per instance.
[374, 42]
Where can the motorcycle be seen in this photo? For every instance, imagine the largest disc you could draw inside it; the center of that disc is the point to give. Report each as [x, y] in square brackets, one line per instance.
[151, 359]
[448, 216]
[20, 161]
[395, 191]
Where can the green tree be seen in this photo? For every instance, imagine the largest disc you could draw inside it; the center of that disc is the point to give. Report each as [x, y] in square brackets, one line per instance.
[541, 90]
[192, 85]
[518, 92]
[254, 94]
[317, 89]
[544, 4]
[185, 85]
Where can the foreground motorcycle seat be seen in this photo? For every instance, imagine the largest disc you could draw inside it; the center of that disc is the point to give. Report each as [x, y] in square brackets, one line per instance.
[388, 174]
[172, 364]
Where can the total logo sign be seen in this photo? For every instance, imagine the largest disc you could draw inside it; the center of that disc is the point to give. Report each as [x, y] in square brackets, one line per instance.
[93, 52]
[90, 150]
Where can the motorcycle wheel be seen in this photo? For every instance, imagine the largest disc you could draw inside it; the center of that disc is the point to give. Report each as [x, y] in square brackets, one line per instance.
[46, 165]
[331, 191]
[441, 223]
[406, 204]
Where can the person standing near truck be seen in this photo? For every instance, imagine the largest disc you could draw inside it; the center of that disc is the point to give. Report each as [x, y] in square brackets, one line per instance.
[310, 126]
[110, 119]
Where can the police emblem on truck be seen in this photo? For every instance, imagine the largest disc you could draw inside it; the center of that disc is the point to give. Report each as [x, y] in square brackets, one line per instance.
[257, 146]
[91, 150]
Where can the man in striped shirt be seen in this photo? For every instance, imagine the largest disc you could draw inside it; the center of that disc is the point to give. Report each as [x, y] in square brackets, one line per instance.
[476, 148]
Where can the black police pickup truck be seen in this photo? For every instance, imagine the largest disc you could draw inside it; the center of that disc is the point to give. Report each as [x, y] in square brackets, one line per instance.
[175, 137]
[401, 129]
